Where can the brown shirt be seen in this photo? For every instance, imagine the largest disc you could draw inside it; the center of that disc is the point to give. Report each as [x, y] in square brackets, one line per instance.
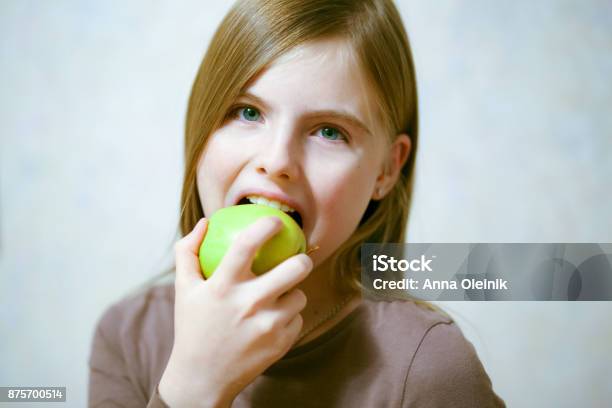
[383, 354]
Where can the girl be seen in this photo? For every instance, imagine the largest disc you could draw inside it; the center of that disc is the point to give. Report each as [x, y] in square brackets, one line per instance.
[312, 105]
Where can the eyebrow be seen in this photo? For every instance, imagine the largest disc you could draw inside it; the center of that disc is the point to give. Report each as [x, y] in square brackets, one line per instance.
[344, 116]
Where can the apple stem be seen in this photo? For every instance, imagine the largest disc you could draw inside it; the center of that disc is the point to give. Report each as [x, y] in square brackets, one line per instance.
[311, 250]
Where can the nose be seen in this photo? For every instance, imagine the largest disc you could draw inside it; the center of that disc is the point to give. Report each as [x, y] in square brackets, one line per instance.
[279, 159]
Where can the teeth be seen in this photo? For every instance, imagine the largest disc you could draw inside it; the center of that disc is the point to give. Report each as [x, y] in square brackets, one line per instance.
[270, 203]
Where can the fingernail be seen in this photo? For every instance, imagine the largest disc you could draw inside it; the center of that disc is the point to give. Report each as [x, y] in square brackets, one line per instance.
[310, 260]
[200, 223]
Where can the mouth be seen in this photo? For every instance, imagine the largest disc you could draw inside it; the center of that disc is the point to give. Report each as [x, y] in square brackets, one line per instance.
[255, 199]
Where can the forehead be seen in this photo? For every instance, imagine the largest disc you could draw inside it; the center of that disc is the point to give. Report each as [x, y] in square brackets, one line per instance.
[321, 75]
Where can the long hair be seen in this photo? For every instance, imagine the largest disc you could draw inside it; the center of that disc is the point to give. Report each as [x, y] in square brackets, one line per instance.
[253, 35]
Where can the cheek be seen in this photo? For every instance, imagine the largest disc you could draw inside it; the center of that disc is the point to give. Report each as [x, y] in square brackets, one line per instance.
[215, 171]
[346, 196]
[212, 169]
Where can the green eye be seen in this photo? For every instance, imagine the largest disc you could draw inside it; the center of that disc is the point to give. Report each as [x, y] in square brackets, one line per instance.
[331, 133]
[250, 114]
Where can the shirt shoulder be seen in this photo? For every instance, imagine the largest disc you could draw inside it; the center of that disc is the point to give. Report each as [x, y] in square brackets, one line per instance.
[134, 336]
[402, 323]
[439, 366]
[137, 307]
[446, 371]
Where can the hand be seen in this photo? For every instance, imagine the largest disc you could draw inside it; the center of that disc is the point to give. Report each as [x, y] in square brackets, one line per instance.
[232, 327]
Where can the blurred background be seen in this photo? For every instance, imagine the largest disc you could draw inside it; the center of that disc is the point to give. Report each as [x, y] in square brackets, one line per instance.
[515, 146]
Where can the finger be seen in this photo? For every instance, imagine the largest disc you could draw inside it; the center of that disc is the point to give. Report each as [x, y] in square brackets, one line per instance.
[283, 276]
[186, 252]
[290, 304]
[236, 263]
[295, 327]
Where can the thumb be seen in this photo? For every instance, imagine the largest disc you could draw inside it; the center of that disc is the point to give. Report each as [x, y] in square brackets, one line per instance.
[186, 252]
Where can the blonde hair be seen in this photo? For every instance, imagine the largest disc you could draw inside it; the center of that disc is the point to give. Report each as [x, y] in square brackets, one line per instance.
[252, 35]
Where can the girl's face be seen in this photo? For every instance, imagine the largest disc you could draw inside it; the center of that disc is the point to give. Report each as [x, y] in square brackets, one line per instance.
[303, 133]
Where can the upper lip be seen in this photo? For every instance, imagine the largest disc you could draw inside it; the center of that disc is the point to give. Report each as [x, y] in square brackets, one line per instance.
[270, 195]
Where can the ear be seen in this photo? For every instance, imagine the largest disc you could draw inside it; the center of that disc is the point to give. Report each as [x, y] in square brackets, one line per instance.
[395, 159]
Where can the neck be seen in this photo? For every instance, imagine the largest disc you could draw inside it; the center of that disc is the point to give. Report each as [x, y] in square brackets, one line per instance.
[323, 296]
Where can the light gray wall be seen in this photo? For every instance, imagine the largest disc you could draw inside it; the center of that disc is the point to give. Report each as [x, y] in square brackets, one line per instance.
[516, 139]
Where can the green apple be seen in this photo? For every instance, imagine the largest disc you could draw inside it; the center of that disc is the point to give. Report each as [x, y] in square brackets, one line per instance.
[226, 223]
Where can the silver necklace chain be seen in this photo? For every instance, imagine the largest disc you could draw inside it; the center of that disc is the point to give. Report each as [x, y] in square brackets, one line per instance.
[325, 318]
